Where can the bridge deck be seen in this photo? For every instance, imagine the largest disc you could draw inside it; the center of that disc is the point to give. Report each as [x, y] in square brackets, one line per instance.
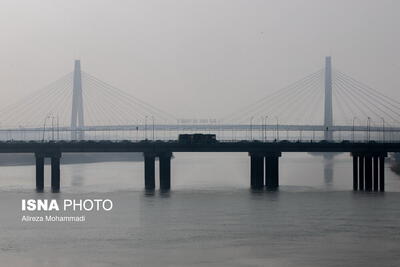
[175, 146]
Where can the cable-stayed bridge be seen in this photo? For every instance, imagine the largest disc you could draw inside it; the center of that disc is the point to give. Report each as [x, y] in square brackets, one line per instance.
[325, 105]
[80, 113]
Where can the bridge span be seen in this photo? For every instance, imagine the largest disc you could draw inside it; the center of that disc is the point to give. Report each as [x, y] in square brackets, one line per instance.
[368, 158]
[99, 110]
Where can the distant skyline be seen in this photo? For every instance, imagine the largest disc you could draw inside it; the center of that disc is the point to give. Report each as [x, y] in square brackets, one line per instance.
[199, 59]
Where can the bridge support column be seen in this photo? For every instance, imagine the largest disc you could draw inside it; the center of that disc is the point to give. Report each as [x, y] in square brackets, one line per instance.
[382, 172]
[256, 170]
[368, 173]
[355, 172]
[39, 172]
[55, 173]
[149, 171]
[361, 172]
[165, 171]
[272, 170]
[376, 172]
[371, 171]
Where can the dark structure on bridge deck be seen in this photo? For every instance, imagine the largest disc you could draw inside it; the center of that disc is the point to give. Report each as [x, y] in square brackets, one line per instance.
[369, 171]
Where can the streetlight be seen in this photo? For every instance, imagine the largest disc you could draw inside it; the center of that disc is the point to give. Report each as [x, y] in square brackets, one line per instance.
[52, 127]
[368, 128]
[145, 127]
[265, 135]
[277, 128]
[152, 117]
[262, 128]
[354, 118]
[58, 128]
[44, 126]
[165, 129]
[383, 129]
[251, 128]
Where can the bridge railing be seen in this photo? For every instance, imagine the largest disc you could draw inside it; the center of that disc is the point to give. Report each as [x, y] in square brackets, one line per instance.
[223, 134]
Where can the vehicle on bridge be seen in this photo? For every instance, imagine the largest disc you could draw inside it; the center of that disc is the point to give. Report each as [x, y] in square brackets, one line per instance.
[197, 138]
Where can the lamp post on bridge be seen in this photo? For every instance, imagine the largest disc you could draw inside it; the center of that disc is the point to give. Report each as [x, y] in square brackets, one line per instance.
[251, 128]
[44, 126]
[262, 128]
[368, 128]
[354, 118]
[52, 127]
[265, 128]
[145, 127]
[383, 129]
[165, 129]
[58, 128]
[277, 128]
[152, 117]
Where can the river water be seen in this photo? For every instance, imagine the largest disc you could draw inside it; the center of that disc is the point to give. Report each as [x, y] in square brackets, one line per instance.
[210, 218]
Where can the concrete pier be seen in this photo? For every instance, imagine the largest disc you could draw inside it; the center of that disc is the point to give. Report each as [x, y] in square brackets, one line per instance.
[165, 171]
[39, 172]
[355, 172]
[361, 172]
[382, 172]
[371, 171]
[368, 173]
[272, 170]
[55, 173]
[376, 173]
[149, 171]
[256, 170]
[55, 170]
[368, 158]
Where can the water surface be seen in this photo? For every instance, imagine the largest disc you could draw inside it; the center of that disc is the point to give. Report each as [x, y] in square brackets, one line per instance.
[210, 218]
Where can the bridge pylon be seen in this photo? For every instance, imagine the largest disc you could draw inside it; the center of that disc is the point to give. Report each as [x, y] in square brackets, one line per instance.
[328, 112]
[77, 116]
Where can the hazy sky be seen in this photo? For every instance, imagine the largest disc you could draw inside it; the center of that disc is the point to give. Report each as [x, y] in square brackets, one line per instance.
[201, 58]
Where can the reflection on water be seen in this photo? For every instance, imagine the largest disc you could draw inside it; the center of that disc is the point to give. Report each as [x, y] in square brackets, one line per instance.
[78, 175]
[328, 159]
